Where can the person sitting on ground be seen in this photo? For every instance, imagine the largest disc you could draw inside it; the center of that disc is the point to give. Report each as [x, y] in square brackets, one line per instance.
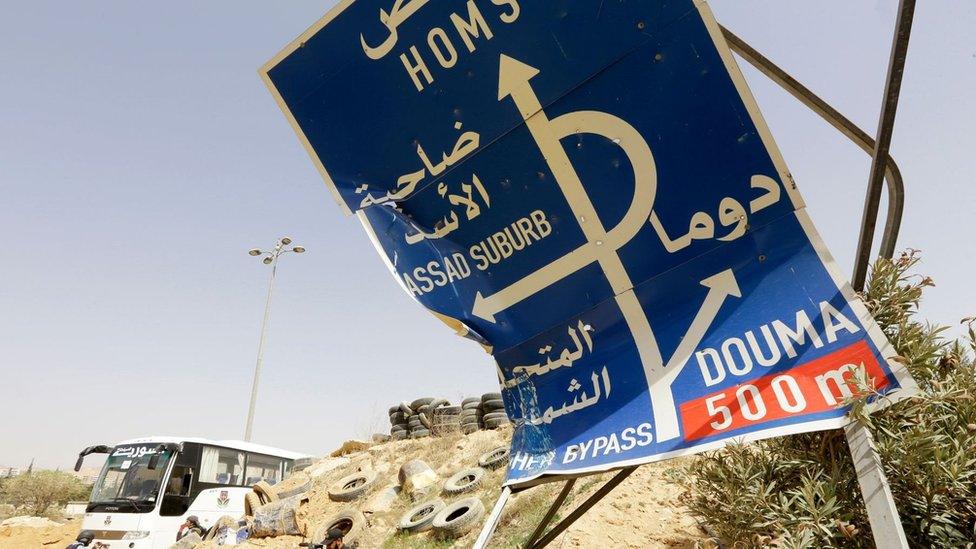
[333, 540]
[192, 524]
[83, 539]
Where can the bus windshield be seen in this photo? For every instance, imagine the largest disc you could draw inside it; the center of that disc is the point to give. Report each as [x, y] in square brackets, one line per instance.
[126, 484]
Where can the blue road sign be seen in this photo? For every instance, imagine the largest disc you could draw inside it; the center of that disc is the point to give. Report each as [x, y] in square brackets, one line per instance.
[588, 189]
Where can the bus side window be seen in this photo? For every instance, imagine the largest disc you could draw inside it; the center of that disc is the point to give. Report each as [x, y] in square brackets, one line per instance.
[221, 466]
[261, 467]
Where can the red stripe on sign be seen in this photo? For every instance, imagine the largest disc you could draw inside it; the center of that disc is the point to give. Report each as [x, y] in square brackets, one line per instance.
[817, 386]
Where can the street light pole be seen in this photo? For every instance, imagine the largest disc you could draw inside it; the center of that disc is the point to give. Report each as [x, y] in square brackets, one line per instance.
[270, 258]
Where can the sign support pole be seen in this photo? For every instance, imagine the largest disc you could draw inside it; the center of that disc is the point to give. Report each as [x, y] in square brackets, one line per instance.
[551, 512]
[886, 124]
[882, 512]
[878, 499]
[492, 522]
[579, 511]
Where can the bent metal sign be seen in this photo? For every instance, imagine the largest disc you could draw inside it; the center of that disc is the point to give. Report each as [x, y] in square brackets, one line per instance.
[587, 189]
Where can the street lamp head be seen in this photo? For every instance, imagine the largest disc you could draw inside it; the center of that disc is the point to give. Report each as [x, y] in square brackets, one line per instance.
[285, 240]
[268, 260]
[298, 249]
[254, 252]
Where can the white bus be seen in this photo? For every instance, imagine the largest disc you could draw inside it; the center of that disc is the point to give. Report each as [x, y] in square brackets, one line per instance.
[149, 486]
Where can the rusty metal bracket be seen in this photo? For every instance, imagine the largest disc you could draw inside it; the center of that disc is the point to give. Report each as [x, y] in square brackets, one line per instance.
[895, 183]
[578, 512]
[551, 512]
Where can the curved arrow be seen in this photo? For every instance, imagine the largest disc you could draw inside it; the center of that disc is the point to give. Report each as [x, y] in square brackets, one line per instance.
[601, 245]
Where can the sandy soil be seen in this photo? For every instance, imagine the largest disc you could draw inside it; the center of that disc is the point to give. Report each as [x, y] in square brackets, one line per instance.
[20, 537]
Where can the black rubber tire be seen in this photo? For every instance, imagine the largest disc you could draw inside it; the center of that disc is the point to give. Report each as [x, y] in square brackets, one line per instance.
[493, 405]
[491, 396]
[459, 517]
[399, 435]
[398, 428]
[251, 502]
[469, 412]
[472, 421]
[349, 521]
[495, 458]
[420, 518]
[285, 494]
[414, 425]
[352, 487]
[420, 433]
[397, 417]
[425, 409]
[495, 415]
[467, 429]
[464, 481]
[421, 402]
[496, 423]
[265, 491]
[394, 409]
[470, 402]
[406, 409]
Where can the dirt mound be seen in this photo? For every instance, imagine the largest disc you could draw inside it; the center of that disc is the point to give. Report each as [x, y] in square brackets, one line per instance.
[20, 532]
[644, 511]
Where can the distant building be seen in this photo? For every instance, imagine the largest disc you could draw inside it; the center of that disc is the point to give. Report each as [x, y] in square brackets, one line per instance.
[10, 471]
[88, 476]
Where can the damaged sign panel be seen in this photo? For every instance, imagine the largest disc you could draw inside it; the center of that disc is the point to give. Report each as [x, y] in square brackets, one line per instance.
[588, 189]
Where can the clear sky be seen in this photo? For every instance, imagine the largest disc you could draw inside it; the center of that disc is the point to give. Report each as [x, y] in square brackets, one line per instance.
[141, 157]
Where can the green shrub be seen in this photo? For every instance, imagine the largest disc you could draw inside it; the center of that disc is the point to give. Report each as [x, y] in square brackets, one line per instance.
[801, 490]
[37, 491]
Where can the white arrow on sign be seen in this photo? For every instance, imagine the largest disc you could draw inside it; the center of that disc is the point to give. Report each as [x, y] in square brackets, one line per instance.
[602, 245]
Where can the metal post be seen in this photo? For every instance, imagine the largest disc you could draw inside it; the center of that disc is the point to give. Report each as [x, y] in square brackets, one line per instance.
[886, 123]
[551, 512]
[257, 367]
[882, 511]
[895, 184]
[584, 507]
[880, 504]
[270, 258]
[492, 522]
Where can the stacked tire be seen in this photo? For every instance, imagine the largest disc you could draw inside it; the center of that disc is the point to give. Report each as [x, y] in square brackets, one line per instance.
[471, 414]
[493, 413]
[399, 423]
[426, 416]
[419, 421]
